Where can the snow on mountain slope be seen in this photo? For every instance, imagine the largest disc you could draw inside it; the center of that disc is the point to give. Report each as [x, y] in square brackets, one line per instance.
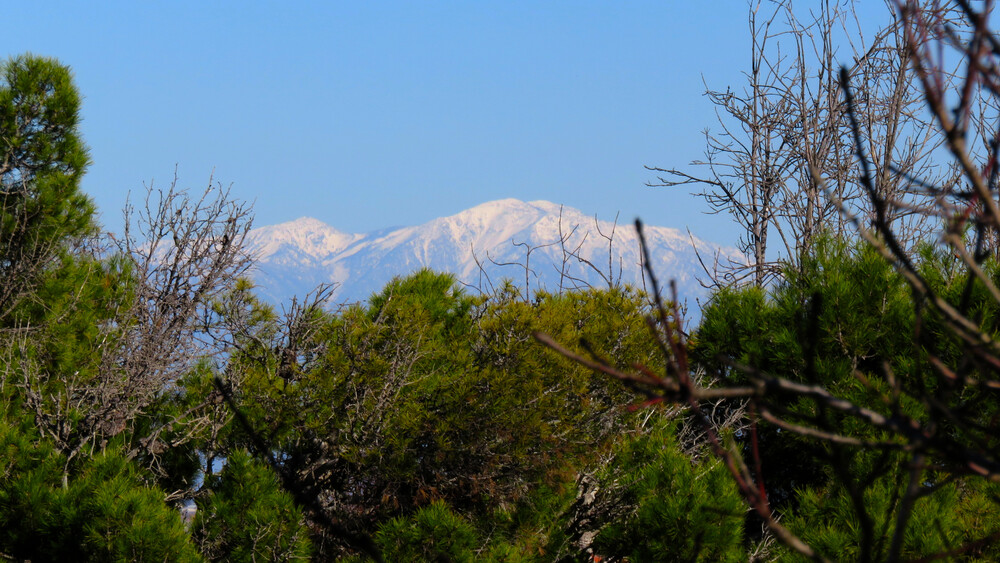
[307, 236]
[483, 245]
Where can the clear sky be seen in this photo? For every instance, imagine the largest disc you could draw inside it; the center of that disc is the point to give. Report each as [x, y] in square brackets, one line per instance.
[375, 114]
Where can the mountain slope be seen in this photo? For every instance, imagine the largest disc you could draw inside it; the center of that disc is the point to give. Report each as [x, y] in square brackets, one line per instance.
[482, 245]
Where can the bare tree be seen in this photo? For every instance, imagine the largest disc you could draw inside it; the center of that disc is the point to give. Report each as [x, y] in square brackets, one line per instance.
[186, 254]
[176, 256]
[790, 118]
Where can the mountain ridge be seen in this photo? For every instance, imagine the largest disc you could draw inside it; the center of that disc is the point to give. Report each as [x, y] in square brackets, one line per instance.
[480, 245]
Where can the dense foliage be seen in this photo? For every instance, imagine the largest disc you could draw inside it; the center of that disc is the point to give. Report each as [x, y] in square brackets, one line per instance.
[142, 377]
[428, 395]
[844, 320]
[423, 412]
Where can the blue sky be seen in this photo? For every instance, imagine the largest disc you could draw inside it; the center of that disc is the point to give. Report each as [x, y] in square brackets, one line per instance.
[376, 114]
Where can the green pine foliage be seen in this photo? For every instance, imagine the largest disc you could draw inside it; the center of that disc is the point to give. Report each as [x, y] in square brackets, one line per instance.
[42, 209]
[427, 394]
[433, 533]
[183, 440]
[843, 307]
[58, 298]
[121, 517]
[683, 510]
[105, 513]
[247, 516]
[845, 320]
[978, 518]
[827, 519]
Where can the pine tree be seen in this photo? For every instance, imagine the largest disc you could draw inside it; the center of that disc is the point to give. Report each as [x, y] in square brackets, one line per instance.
[42, 159]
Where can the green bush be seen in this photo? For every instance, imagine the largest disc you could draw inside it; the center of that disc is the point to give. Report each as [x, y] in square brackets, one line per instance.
[248, 517]
[105, 513]
[682, 510]
[433, 533]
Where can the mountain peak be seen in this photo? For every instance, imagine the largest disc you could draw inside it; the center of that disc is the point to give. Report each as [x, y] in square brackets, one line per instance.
[306, 222]
[513, 204]
[495, 208]
[302, 224]
[305, 235]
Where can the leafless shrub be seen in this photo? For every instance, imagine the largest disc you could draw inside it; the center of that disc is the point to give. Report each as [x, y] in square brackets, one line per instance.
[790, 118]
[176, 256]
[570, 267]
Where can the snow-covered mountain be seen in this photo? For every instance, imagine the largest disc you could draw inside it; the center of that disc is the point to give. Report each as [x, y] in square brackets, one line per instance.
[482, 246]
